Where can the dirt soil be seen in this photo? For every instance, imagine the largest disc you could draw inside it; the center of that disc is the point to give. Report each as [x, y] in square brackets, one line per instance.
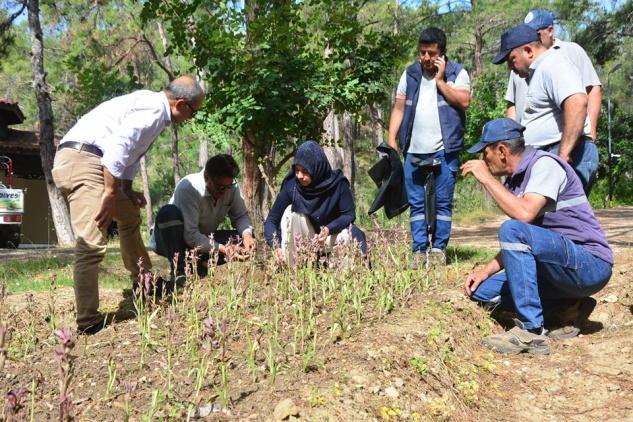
[421, 361]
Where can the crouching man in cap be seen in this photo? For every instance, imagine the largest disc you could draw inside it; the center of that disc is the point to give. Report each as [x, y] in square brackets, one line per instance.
[553, 251]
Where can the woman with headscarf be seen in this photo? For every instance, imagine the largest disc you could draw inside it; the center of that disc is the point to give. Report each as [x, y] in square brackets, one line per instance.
[314, 201]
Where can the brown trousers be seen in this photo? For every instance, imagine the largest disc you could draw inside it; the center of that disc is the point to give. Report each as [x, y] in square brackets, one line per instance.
[79, 176]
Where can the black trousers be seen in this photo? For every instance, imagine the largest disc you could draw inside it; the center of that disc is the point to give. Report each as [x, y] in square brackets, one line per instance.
[170, 240]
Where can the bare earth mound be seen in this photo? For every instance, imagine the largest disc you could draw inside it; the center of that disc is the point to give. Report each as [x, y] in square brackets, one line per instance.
[408, 354]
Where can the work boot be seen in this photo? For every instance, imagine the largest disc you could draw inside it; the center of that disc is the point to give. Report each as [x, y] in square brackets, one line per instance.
[95, 328]
[418, 260]
[519, 340]
[567, 322]
[437, 257]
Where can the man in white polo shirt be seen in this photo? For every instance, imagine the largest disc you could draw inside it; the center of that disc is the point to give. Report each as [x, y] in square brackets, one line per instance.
[429, 119]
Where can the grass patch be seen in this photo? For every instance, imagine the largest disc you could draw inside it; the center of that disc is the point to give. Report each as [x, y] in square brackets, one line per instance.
[469, 253]
[35, 273]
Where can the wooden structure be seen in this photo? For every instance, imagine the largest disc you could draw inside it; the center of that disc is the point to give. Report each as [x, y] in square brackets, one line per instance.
[23, 147]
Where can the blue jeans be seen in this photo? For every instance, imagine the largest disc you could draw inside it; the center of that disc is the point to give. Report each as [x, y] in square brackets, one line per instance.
[585, 162]
[445, 178]
[540, 267]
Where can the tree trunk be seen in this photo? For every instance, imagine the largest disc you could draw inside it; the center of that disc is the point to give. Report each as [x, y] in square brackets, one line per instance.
[174, 154]
[396, 30]
[479, 42]
[377, 114]
[174, 131]
[59, 207]
[332, 151]
[254, 189]
[148, 208]
[203, 151]
[328, 129]
[349, 135]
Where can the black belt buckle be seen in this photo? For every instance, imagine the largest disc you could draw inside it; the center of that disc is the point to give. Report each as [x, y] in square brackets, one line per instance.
[426, 163]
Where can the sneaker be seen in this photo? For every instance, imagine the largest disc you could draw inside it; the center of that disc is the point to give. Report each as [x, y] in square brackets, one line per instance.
[567, 322]
[518, 340]
[437, 257]
[418, 260]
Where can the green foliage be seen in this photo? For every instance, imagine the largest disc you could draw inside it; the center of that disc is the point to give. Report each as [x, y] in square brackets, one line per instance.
[487, 104]
[272, 80]
[36, 274]
[15, 73]
[621, 133]
[97, 83]
[7, 33]
[420, 365]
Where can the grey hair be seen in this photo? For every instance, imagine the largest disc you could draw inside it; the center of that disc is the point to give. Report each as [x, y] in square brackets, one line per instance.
[516, 145]
[184, 87]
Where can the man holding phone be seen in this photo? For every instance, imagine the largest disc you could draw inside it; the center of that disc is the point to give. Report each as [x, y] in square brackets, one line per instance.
[428, 117]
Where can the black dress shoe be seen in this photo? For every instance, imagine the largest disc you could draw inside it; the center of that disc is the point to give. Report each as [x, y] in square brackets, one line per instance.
[94, 329]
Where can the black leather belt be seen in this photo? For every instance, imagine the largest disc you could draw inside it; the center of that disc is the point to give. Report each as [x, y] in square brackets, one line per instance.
[81, 146]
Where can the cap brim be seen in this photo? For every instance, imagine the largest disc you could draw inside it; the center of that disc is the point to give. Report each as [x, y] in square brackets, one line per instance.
[501, 57]
[478, 147]
[537, 27]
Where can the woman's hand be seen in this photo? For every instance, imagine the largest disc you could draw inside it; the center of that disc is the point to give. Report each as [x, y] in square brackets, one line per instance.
[280, 256]
[323, 234]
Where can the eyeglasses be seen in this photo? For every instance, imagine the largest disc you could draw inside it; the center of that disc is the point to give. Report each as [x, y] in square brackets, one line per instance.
[220, 187]
[193, 111]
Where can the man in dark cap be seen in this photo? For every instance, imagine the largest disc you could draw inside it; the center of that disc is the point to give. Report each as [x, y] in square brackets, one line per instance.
[542, 22]
[555, 115]
[553, 250]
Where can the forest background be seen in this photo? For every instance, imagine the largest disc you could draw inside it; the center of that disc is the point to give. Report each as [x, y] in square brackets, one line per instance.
[278, 73]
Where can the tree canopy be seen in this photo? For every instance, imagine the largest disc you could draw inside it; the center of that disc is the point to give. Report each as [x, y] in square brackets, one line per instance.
[274, 70]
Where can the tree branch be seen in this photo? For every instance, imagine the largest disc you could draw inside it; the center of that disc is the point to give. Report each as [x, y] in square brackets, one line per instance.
[155, 56]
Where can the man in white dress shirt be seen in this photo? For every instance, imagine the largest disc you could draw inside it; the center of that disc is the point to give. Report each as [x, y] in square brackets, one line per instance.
[94, 167]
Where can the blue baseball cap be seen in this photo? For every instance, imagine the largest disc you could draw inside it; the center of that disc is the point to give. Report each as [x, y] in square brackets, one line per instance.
[538, 19]
[513, 38]
[497, 130]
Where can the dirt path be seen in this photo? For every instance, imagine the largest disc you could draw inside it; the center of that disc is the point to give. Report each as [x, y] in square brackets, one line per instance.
[616, 222]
